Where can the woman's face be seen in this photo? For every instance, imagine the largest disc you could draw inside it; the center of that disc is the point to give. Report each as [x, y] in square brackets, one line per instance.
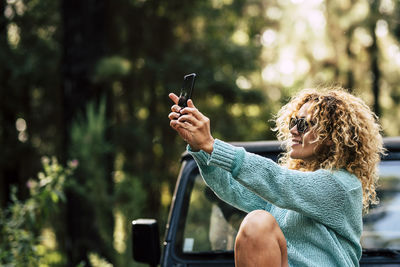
[303, 146]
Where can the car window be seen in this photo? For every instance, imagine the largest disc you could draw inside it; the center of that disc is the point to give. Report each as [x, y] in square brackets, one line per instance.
[382, 223]
[211, 225]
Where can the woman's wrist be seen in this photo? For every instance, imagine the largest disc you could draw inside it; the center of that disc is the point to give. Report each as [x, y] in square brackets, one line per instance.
[209, 146]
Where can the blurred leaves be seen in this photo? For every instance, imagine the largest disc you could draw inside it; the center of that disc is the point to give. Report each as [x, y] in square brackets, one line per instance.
[22, 222]
[112, 68]
[91, 190]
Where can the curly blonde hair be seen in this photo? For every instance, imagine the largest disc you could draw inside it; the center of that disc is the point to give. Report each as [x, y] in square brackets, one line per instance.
[348, 124]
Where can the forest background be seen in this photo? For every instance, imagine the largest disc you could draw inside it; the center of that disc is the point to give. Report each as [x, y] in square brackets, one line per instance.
[85, 140]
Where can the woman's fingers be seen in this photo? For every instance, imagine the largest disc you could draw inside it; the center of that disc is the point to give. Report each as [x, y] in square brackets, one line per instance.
[174, 115]
[176, 108]
[174, 98]
[189, 119]
[191, 125]
[190, 103]
[174, 124]
[191, 109]
[184, 129]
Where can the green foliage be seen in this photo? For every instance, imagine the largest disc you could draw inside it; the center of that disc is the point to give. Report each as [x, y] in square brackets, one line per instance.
[111, 68]
[88, 141]
[130, 196]
[21, 222]
[92, 186]
[130, 202]
[97, 261]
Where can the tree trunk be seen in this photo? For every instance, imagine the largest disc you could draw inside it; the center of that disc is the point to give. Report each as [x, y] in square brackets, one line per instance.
[10, 161]
[83, 45]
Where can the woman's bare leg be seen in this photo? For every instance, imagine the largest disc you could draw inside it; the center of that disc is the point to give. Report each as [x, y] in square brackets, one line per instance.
[260, 242]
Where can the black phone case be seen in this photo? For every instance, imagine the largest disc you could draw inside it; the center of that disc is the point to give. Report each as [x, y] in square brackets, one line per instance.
[187, 89]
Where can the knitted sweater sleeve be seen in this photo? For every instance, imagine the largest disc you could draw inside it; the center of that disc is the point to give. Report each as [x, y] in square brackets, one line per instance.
[225, 187]
[318, 195]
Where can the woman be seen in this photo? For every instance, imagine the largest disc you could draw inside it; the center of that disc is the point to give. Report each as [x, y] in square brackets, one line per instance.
[306, 210]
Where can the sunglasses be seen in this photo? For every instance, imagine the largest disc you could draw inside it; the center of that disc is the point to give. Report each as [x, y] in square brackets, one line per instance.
[302, 124]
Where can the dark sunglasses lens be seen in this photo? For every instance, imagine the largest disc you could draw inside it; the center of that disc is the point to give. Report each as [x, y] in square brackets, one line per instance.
[302, 125]
[292, 123]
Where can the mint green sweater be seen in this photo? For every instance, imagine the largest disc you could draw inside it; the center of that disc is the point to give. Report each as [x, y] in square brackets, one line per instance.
[320, 212]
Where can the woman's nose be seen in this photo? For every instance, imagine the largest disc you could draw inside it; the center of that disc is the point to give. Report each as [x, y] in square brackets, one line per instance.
[294, 131]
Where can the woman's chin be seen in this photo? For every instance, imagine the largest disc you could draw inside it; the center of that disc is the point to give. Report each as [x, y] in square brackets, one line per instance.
[293, 155]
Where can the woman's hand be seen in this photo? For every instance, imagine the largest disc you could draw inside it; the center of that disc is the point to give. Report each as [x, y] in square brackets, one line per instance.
[191, 125]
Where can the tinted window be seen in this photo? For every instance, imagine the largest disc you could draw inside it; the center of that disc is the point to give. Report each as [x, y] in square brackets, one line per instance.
[211, 225]
[382, 223]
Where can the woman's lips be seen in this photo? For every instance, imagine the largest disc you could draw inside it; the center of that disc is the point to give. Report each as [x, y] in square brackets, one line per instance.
[294, 141]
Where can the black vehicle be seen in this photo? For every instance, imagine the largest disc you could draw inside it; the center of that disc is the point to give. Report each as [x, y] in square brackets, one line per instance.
[201, 229]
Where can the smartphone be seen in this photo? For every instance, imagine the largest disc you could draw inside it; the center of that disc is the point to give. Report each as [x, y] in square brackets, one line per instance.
[187, 89]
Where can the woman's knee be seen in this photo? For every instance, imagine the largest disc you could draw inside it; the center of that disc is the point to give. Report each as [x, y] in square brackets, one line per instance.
[257, 223]
[259, 241]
